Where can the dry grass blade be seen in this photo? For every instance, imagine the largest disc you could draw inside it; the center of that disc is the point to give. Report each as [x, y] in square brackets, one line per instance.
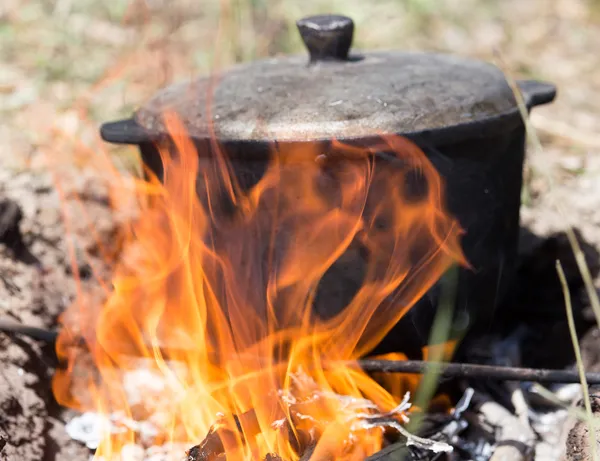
[580, 367]
[573, 242]
[440, 332]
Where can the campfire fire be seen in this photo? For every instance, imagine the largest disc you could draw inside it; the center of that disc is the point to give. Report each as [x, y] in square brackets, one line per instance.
[212, 301]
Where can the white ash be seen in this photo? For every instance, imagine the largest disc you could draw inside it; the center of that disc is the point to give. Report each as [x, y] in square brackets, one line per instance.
[567, 393]
[89, 428]
[552, 437]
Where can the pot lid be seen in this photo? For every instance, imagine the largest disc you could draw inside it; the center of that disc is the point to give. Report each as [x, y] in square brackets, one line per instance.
[337, 94]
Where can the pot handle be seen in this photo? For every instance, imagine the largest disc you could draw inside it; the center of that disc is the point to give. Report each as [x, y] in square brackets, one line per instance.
[536, 93]
[327, 37]
[124, 132]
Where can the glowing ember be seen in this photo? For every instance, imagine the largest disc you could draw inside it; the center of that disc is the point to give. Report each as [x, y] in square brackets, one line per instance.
[213, 302]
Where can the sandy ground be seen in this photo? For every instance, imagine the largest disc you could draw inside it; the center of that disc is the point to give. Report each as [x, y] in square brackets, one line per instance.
[36, 285]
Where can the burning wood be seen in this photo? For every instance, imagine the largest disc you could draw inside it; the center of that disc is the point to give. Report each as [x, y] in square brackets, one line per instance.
[365, 417]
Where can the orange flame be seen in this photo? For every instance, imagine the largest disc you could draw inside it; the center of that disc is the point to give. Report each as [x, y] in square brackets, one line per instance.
[216, 290]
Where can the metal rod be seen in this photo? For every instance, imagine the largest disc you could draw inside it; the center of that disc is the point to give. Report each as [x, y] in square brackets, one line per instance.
[448, 370]
[468, 370]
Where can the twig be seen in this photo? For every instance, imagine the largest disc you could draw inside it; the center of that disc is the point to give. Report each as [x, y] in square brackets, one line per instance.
[446, 370]
[472, 371]
[11, 327]
[580, 367]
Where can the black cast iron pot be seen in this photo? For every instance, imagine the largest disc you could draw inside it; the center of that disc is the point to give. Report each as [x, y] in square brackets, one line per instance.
[461, 112]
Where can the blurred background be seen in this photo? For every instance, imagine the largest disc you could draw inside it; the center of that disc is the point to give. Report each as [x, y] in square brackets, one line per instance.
[67, 65]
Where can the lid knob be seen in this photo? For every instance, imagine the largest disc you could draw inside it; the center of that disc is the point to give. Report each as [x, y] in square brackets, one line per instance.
[328, 37]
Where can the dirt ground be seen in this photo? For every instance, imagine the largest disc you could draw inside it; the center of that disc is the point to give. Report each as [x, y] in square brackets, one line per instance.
[67, 66]
[36, 285]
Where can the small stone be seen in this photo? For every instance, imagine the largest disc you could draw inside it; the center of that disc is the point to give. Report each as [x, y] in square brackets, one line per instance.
[578, 440]
[88, 429]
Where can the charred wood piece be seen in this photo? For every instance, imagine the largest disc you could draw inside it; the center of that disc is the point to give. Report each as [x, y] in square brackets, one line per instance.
[228, 432]
[210, 449]
[273, 457]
